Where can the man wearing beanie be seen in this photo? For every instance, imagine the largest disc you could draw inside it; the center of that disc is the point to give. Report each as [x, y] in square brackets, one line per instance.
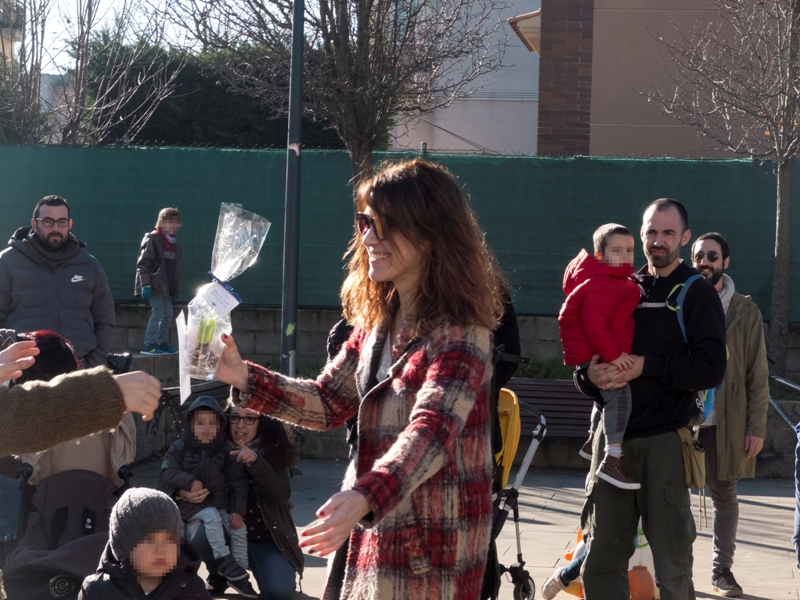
[144, 557]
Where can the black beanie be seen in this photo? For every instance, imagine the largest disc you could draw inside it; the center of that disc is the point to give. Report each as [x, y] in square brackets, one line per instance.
[137, 514]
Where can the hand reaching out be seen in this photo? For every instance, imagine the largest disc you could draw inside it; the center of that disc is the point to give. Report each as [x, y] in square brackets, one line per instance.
[16, 358]
[231, 369]
[339, 515]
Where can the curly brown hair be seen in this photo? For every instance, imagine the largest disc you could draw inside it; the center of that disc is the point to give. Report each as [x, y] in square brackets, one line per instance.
[460, 279]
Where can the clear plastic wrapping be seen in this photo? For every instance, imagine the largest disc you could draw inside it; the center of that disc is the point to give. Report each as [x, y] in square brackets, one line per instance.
[240, 235]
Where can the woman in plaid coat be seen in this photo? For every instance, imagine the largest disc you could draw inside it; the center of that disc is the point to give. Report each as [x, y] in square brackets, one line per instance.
[422, 292]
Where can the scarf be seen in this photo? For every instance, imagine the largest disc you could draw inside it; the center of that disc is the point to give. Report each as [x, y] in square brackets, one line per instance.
[726, 294]
[169, 240]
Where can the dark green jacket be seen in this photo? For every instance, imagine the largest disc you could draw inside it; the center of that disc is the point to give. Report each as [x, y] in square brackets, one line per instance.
[741, 405]
[151, 269]
[273, 491]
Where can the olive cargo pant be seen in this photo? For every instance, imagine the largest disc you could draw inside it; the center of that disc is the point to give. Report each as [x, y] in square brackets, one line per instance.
[613, 517]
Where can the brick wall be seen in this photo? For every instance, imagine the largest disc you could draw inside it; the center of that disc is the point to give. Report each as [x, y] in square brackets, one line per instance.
[565, 77]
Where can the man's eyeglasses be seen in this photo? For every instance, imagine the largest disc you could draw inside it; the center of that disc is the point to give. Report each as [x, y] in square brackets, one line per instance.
[364, 223]
[712, 256]
[48, 222]
[234, 419]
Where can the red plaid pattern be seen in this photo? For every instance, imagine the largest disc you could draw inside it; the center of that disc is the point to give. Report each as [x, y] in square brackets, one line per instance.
[423, 461]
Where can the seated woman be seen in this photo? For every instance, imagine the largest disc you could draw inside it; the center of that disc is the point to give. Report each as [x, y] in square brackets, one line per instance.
[268, 453]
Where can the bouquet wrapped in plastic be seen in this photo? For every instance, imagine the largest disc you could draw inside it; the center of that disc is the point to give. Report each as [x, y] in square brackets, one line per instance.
[240, 235]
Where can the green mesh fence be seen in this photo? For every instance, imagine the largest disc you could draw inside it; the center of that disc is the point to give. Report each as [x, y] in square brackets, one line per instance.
[537, 212]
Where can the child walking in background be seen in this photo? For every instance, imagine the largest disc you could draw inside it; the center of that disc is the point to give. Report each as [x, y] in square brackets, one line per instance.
[597, 318]
[144, 556]
[158, 279]
[211, 487]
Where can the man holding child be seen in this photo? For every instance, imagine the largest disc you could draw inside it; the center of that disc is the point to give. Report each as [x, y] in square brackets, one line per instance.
[666, 371]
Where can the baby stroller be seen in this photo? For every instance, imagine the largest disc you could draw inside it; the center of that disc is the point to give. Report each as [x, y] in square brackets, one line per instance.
[61, 534]
[506, 499]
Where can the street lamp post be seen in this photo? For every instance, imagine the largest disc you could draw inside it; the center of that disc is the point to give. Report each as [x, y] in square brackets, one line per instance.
[291, 227]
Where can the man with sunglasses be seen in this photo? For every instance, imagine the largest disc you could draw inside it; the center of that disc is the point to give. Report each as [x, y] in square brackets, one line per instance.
[48, 280]
[733, 432]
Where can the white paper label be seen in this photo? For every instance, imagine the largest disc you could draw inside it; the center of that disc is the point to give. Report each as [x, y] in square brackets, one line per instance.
[183, 369]
[218, 298]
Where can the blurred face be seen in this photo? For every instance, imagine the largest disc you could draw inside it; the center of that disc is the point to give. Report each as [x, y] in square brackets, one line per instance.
[663, 237]
[394, 259]
[54, 236]
[205, 425]
[171, 226]
[707, 258]
[242, 431]
[619, 250]
[155, 556]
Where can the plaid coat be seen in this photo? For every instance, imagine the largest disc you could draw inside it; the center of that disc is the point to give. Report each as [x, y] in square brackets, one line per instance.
[423, 462]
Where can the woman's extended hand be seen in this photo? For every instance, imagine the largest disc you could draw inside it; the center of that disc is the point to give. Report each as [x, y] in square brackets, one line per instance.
[244, 455]
[16, 358]
[340, 513]
[231, 369]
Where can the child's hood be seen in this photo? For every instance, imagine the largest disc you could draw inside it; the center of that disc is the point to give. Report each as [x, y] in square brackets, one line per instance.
[207, 403]
[585, 266]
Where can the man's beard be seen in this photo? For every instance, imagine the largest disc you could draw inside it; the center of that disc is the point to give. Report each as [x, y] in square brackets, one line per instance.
[663, 260]
[712, 275]
[53, 241]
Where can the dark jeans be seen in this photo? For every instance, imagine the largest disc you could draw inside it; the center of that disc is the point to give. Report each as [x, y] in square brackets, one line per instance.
[274, 574]
[662, 502]
[725, 501]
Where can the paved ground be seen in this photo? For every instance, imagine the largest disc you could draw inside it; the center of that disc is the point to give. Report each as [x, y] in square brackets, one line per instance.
[550, 508]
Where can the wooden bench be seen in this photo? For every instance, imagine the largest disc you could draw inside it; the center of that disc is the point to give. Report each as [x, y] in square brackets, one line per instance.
[566, 410]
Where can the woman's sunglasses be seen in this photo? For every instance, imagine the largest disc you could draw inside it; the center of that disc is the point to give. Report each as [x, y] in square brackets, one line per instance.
[364, 223]
[712, 256]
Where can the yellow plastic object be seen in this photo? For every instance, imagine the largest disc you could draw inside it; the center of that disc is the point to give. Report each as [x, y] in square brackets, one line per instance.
[510, 427]
[575, 588]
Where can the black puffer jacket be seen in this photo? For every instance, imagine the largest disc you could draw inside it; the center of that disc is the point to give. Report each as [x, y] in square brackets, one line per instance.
[663, 397]
[117, 581]
[221, 474]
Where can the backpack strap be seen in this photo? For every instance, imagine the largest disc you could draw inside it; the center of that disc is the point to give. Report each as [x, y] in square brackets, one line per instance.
[679, 303]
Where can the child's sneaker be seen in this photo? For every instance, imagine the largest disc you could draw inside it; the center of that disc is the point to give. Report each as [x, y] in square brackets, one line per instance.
[244, 588]
[614, 471]
[230, 569]
[155, 351]
[553, 585]
[168, 349]
[586, 449]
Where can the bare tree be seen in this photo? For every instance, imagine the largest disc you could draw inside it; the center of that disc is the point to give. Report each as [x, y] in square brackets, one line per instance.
[367, 62]
[21, 113]
[122, 71]
[737, 81]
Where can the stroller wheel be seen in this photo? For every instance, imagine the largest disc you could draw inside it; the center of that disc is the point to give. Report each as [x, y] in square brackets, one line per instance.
[524, 590]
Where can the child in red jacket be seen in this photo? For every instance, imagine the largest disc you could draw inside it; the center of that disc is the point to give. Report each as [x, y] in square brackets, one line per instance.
[597, 318]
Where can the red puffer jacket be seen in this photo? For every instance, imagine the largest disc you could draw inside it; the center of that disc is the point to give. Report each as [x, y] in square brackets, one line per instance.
[597, 316]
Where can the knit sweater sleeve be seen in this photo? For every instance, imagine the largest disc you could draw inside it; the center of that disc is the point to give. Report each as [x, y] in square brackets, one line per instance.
[38, 415]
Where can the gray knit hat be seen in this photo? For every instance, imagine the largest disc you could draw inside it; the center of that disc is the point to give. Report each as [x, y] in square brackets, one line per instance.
[138, 513]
